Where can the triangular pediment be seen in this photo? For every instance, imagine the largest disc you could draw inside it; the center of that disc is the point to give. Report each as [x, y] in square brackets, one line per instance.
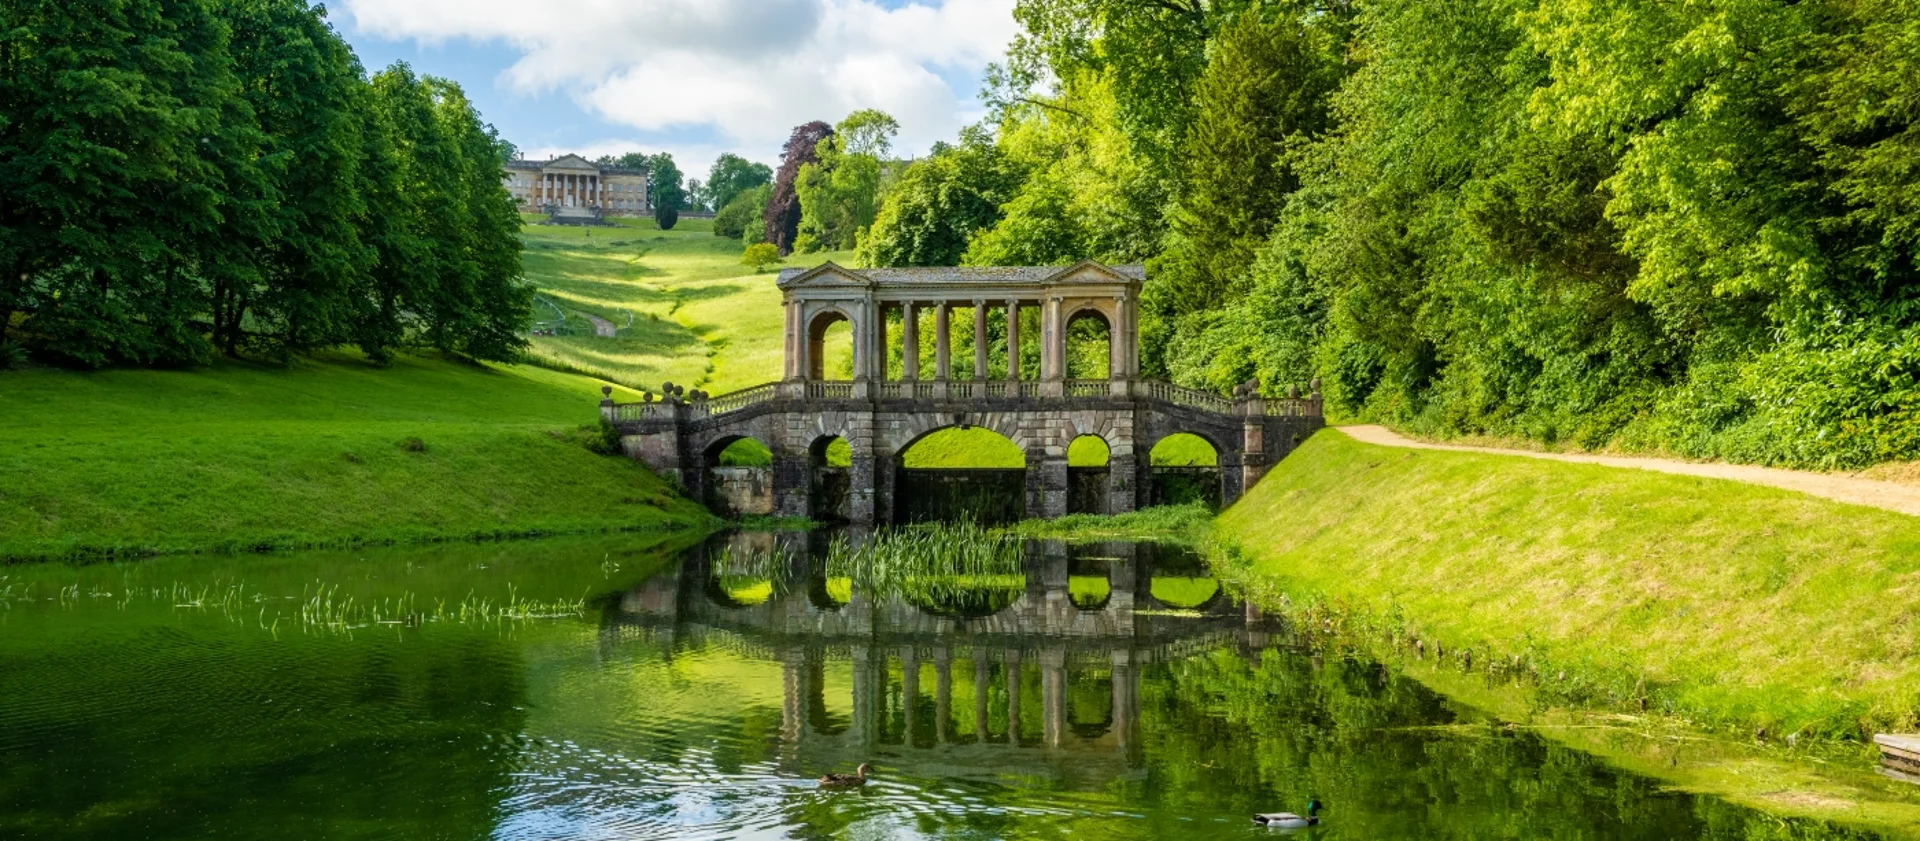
[826, 276]
[573, 162]
[1088, 271]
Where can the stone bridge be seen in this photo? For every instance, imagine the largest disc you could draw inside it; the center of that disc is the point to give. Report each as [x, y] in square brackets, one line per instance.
[880, 417]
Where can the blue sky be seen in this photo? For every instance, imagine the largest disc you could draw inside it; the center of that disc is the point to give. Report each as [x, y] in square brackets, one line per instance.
[691, 77]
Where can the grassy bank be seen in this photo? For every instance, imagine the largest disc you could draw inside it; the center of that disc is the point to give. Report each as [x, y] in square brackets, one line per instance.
[331, 451]
[1730, 606]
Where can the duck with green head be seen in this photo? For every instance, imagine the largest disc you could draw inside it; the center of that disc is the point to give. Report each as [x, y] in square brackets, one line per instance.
[1289, 820]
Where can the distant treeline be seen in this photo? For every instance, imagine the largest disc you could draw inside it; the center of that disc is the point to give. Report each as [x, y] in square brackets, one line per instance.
[1681, 227]
[180, 178]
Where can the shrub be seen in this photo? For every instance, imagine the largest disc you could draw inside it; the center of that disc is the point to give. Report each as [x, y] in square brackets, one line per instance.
[411, 445]
[742, 215]
[760, 255]
[601, 439]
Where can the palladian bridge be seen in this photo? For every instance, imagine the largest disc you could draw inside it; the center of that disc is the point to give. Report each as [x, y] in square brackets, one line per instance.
[880, 412]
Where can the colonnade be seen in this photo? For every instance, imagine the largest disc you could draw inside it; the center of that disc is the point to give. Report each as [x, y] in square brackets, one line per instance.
[872, 687]
[869, 299]
[556, 188]
[807, 327]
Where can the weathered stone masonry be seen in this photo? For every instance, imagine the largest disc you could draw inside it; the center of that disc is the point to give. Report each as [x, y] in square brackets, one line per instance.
[682, 435]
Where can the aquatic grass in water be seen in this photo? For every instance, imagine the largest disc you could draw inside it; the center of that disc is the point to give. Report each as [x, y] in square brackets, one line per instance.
[961, 553]
[320, 606]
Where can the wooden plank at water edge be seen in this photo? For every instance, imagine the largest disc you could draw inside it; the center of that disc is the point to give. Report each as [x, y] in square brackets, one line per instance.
[1899, 751]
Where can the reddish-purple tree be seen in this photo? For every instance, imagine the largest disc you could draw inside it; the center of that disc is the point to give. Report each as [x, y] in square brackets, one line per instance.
[783, 210]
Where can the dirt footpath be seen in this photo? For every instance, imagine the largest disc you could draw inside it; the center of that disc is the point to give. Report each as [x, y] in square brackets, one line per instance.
[1869, 492]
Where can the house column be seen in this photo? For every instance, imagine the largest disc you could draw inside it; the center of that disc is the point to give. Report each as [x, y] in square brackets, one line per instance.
[979, 338]
[1013, 340]
[942, 346]
[909, 343]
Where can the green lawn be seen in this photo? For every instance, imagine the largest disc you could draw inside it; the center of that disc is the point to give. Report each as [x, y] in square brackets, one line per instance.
[1739, 606]
[699, 318]
[243, 456]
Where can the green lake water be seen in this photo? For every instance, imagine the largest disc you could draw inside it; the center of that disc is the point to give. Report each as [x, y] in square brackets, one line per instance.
[635, 687]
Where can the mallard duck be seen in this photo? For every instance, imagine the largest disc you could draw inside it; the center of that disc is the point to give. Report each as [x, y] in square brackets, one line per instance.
[1289, 820]
[854, 780]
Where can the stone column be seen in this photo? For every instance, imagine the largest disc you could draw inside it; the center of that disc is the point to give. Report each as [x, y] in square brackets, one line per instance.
[1053, 353]
[862, 347]
[1053, 695]
[879, 349]
[1013, 698]
[942, 695]
[866, 697]
[942, 342]
[1047, 483]
[1123, 488]
[792, 481]
[1013, 341]
[909, 343]
[1126, 695]
[793, 371]
[981, 675]
[910, 692]
[979, 339]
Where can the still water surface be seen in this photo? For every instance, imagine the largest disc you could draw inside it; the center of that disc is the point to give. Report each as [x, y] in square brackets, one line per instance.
[607, 688]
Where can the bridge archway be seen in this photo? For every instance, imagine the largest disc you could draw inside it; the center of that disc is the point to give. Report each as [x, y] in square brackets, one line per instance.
[828, 332]
[738, 476]
[830, 479]
[1184, 468]
[960, 473]
[1090, 346]
[1089, 474]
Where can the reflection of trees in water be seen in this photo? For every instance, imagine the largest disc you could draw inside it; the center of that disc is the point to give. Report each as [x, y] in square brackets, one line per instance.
[1291, 726]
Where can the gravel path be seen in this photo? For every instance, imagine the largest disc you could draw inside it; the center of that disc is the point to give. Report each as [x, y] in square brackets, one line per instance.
[1869, 492]
[601, 326]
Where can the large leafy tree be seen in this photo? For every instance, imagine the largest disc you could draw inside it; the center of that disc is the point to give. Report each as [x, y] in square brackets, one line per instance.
[305, 89]
[940, 203]
[732, 175]
[118, 126]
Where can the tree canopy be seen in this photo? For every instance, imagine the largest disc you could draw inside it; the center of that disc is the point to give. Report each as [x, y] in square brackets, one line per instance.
[1686, 228]
[186, 177]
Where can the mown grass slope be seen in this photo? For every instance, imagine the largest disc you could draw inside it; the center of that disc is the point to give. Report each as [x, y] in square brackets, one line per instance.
[1738, 605]
[251, 456]
[698, 318]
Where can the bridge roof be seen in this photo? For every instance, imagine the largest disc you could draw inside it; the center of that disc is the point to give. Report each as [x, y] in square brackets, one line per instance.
[936, 276]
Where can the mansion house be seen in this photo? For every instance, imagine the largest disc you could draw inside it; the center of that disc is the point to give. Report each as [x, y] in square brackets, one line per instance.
[574, 186]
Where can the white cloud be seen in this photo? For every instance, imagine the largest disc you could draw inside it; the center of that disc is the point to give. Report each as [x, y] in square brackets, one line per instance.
[749, 70]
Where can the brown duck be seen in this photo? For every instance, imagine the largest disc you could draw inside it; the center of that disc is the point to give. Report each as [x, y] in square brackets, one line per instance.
[854, 780]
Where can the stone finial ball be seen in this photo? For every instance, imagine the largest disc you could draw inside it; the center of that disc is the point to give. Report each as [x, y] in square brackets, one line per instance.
[646, 397]
[1316, 383]
[606, 391]
[666, 387]
[1293, 391]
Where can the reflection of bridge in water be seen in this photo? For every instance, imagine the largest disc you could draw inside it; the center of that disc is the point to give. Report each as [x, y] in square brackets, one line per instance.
[1050, 672]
